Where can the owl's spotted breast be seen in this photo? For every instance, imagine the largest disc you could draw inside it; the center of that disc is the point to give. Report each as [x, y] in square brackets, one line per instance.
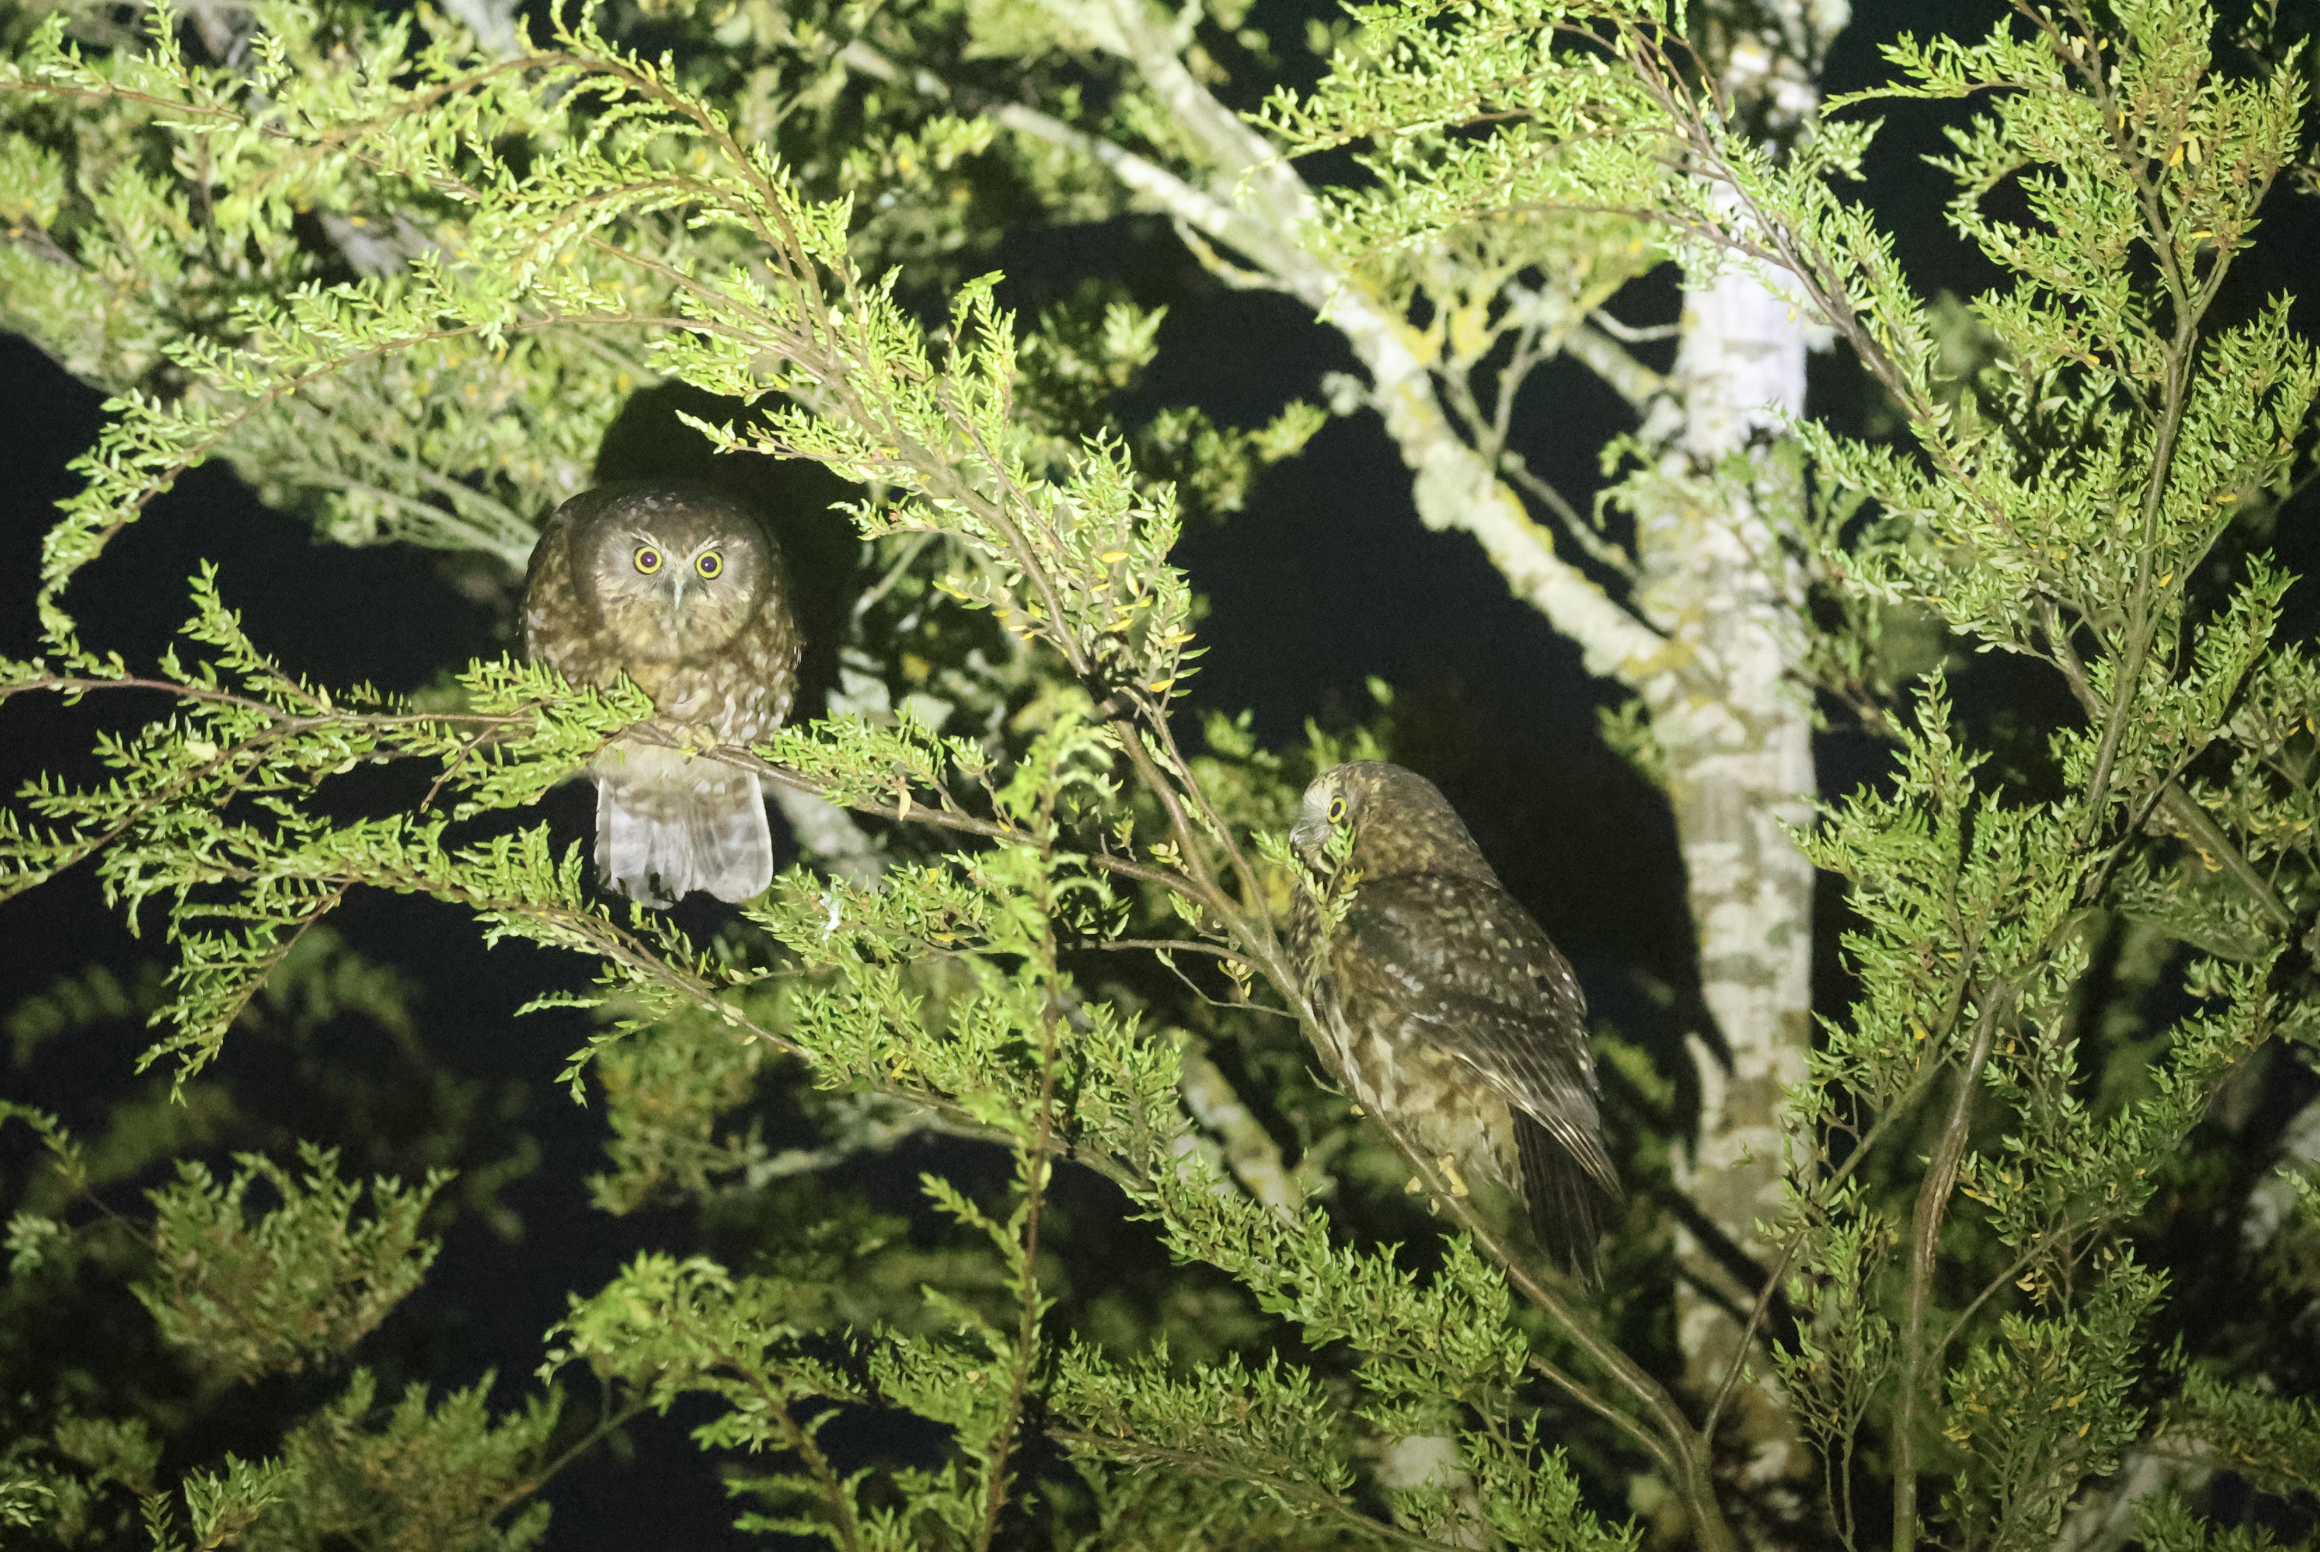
[728, 698]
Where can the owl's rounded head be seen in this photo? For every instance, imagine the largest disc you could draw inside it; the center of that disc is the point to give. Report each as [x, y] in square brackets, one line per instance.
[673, 569]
[1401, 823]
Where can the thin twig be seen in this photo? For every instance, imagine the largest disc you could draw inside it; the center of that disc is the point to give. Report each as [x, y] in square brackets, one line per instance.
[1171, 945]
[1924, 1244]
[1599, 549]
[1630, 333]
[894, 573]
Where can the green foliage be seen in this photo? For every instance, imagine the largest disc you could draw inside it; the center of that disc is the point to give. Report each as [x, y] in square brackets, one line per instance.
[2167, 1524]
[2273, 1441]
[417, 1477]
[666, 1092]
[1548, 192]
[635, 193]
[515, 238]
[231, 1299]
[304, 1282]
[153, 256]
[2042, 1408]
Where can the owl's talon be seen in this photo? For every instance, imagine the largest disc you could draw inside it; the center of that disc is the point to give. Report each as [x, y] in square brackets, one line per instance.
[1414, 1186]
[1457, 1181]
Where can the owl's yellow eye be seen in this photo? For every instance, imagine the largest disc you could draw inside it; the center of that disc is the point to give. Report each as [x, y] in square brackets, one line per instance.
[648, 559]
[709, 564]
[1337, 809]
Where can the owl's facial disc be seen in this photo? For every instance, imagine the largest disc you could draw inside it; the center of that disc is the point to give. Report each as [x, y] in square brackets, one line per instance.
[1323, 807]
[677, 589]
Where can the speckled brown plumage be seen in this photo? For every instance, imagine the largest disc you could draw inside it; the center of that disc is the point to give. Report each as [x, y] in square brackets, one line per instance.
[1447, 1008]
[706, 631]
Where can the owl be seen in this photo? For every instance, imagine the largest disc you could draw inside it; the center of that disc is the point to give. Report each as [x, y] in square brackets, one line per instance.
[1447, 1009]
[681, 588]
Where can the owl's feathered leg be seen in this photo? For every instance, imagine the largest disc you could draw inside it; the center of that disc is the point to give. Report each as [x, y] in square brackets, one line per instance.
[1565, 1201]
[668, 824]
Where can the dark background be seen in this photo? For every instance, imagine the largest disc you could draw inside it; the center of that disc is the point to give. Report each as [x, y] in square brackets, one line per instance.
[1326, 580]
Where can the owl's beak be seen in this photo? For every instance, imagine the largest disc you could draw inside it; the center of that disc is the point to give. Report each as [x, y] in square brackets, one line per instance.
[1305, 835]
[676, 594]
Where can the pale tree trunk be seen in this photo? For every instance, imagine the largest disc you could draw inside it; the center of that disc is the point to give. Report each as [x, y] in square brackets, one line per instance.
[1739, 765]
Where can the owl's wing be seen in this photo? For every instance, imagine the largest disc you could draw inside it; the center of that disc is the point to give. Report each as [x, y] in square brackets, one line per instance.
[1480, 979]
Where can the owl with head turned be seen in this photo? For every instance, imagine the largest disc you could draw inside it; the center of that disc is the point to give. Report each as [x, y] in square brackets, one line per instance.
[1445, 1007]
[681, 588]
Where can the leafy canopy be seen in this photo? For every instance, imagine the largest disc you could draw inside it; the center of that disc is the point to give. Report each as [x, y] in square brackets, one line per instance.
[528, 231]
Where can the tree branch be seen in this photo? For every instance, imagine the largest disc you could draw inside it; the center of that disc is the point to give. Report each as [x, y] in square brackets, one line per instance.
[1924, 1243]
[1454, 487]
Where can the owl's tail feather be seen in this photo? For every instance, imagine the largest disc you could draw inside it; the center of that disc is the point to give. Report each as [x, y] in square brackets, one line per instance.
[1566, 1202]
[699, 827]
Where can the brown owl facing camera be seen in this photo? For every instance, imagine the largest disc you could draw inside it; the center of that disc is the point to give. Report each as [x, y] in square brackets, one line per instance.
[681, 588]
[1449, 1011]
